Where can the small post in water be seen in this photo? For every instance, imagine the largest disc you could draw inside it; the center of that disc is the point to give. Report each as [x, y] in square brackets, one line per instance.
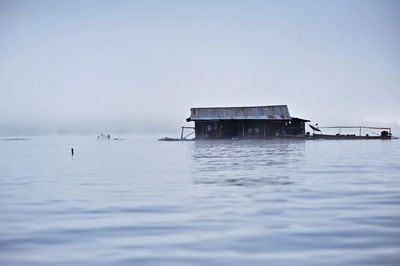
[72, 151]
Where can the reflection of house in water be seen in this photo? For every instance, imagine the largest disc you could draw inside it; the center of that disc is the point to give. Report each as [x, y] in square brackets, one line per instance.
[248, 162]
[246, 122]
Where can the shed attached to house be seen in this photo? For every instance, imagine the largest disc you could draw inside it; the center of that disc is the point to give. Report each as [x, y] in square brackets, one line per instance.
[245, 122]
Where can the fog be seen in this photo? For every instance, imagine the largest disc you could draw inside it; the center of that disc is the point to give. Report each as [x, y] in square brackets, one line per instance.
[86, 67]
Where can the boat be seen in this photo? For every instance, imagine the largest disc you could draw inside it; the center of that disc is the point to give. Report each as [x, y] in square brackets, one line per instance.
[386, 133]
[348, 136]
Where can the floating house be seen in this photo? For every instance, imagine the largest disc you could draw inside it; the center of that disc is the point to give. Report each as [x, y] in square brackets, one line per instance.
[246, 122]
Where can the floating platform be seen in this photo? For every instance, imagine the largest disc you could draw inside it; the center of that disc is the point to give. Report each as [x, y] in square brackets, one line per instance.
[385, 134]
[349, 137]
[315, 137]
[175, 139]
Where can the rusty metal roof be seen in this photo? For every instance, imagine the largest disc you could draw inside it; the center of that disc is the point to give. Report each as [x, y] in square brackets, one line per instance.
[272, 112]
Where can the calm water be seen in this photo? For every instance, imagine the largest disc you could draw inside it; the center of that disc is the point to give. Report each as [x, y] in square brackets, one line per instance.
[144, 202]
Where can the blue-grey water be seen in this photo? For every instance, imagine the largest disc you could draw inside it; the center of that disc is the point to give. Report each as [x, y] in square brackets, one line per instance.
[144, 202]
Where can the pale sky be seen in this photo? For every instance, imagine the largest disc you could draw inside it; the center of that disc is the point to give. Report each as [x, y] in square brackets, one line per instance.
[138, 66]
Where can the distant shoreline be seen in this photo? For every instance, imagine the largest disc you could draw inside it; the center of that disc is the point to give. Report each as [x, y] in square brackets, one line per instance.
[10, 139]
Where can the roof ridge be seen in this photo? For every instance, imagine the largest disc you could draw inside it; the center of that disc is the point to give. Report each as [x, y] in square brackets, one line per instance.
[255, 106]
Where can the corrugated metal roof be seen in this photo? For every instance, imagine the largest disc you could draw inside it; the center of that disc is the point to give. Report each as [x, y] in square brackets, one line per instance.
[272, 112]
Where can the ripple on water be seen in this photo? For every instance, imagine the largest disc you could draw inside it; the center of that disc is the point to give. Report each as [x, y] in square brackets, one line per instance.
[143, 202]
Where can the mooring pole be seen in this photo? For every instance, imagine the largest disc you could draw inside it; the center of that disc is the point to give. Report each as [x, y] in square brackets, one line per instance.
[264, 130]
[72, 151]
[182, 133]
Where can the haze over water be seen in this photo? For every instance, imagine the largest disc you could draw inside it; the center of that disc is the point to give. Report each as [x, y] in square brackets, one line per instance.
[144, 202]
[137, 67]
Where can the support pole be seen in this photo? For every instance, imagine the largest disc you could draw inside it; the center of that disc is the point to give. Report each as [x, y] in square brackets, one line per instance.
[264, 129]
[182, 132]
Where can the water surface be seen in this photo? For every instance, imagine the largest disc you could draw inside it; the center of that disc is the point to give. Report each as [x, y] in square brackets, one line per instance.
[144, 202]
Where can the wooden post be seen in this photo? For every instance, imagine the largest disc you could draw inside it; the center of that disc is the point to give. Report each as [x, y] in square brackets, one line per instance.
[360, 131]
[243, 129]
[264, 130]
[182, 133]
[72, 151]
